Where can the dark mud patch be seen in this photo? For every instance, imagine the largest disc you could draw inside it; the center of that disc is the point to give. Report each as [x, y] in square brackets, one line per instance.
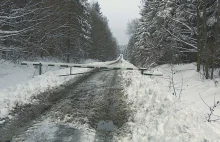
[24, 115]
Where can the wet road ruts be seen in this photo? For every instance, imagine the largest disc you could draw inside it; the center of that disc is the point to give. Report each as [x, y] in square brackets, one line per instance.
[98, 98]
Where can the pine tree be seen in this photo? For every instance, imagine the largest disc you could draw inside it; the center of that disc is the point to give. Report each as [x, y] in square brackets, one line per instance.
[104, 45]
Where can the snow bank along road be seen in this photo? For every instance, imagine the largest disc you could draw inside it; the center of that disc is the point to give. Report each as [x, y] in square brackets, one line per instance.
[91, 109]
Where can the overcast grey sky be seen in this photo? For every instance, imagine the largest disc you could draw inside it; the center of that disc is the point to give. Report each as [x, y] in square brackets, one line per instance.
[119, 12]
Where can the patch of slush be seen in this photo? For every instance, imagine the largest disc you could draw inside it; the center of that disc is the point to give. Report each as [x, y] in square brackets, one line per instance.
[45, 132]
[105, 125]
[49, 131]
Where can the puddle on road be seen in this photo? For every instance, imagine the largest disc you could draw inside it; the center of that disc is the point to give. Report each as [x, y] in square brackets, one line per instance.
[106, 126]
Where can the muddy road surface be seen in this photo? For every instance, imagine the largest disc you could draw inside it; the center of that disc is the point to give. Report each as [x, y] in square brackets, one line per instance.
[93, 110]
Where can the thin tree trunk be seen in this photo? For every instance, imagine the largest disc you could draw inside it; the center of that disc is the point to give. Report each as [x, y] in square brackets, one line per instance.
[68, 36]
[205, 41]
[216, 39]
[213, 63]
[68, 49]
[207, 69]
[198, 37]
[213, 54]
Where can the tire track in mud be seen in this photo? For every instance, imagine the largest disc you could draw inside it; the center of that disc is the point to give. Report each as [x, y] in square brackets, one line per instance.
[24, 115]
[115, 109]
[98, 98]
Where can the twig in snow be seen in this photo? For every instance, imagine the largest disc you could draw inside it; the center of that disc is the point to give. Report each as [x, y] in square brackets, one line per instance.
[174, 90]
[212, 109]
[181, 87]
[204, 101]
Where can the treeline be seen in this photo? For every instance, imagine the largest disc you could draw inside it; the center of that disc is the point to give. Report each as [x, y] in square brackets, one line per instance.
[71, 30]
[176, 31]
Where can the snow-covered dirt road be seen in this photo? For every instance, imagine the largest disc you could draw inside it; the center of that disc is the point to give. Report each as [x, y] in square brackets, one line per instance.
[93, 110]
[106, 106]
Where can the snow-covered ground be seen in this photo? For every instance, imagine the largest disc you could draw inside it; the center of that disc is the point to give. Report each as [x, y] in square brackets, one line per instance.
[19, 84]
[159, 116]
[12, 74]
[190, 85]
[194, 91]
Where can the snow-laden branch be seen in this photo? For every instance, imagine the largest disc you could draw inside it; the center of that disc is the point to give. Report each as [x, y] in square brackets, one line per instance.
[5, 34]
[181, 23]
[180, 39]
[8, 32]
[185, 50]
[18, 16]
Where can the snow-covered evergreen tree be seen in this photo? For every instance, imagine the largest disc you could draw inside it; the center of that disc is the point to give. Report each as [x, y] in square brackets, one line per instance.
[55, 28]
[173, 31]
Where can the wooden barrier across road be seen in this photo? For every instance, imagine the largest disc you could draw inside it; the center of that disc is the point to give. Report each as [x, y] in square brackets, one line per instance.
[68, 65]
